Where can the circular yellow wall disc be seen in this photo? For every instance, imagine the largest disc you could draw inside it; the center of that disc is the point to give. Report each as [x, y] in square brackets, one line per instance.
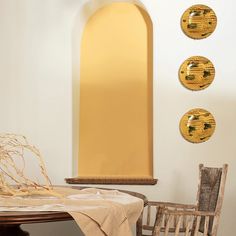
[198, 21]
[197, 125]
[196, 73]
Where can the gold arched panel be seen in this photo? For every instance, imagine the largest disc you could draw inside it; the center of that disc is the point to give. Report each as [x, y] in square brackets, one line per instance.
[115, 121]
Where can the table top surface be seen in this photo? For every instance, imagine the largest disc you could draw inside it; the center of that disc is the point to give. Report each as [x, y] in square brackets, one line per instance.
[47, 216]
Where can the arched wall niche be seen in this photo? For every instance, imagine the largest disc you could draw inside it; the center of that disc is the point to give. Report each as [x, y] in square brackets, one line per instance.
[112, 108]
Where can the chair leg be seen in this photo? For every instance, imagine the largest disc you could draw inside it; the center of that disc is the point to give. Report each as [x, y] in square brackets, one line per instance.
[139, 225]
[215, 226]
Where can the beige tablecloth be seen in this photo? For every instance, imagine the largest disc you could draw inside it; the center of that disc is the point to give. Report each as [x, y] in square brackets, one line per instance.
[97, 212]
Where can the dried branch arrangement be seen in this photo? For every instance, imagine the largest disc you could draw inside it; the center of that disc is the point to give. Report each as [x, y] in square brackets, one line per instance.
[13, 178]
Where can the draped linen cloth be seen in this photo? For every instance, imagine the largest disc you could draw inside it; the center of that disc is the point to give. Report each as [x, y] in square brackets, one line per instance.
[97, 212]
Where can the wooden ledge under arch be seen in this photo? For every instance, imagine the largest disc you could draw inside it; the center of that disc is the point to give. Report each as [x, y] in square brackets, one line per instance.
[112, 180]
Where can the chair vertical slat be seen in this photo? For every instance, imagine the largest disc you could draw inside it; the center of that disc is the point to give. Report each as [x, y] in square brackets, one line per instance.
[166, 219]
[206, 226]
[176, 217]
[178, 225]
[148, 214]
[163, 221]
[158, 223]
[188, 226]
[168, 225]
[184, 222]
[197, 226]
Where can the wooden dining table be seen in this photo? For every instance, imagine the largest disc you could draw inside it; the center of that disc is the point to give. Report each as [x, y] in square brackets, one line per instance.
[10, 221]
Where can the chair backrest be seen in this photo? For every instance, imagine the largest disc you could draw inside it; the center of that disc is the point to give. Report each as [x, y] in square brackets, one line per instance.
[211, 192]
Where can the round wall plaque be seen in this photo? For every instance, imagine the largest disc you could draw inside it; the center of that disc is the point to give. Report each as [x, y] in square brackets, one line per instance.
[198, 21]
[196, 73]
[197, 125]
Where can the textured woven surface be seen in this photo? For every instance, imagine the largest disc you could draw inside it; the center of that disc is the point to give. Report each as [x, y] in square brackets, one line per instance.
[209, 191]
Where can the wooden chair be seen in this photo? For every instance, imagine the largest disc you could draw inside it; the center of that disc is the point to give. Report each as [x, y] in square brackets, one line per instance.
[189, 220]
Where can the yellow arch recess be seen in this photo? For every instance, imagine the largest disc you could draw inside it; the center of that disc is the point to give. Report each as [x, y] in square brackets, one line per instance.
[115, 121]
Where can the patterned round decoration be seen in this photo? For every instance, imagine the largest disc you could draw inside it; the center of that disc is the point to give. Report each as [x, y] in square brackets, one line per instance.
[197, 125]
[198, 21]
[196, 73]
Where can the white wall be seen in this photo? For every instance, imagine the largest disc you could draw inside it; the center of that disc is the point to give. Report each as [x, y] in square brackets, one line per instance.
[36, 95]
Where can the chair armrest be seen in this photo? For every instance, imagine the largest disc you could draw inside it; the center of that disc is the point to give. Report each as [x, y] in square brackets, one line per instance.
[172, 205]
[188, 213]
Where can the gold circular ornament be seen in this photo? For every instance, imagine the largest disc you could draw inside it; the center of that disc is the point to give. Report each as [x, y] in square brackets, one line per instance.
[196, 73]
[197, 125]
[198, 21]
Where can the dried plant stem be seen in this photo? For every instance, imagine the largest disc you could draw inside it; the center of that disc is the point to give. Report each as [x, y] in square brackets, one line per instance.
[13, 180]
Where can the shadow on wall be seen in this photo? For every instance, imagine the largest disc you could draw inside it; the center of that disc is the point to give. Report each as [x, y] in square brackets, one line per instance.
[91, 6]
[228, 213]
[225, 132]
